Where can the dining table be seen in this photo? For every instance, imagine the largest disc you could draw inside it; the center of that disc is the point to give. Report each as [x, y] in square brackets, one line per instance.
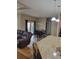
[47, 46]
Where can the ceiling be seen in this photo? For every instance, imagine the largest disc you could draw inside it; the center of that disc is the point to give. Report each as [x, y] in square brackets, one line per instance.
[39, 8]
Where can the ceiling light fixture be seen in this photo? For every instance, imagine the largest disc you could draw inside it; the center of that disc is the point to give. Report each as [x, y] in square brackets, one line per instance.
[53, 19]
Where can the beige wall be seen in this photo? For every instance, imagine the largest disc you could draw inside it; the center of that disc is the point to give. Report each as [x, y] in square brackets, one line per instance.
[22, 23]
[21, 20]
[18, 21]
[41, 24]
[53, 28]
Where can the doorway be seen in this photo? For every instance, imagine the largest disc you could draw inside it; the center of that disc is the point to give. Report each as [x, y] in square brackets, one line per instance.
[30, 26]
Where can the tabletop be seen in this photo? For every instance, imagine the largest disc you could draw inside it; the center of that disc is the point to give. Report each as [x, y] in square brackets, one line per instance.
[47, 45]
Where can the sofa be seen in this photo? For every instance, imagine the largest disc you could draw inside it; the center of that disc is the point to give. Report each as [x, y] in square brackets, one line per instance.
[23, 38]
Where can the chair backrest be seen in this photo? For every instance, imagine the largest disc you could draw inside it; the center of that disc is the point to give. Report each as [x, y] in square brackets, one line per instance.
[36, 53]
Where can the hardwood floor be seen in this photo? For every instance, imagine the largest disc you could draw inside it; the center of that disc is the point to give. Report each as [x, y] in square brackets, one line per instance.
[25, 53]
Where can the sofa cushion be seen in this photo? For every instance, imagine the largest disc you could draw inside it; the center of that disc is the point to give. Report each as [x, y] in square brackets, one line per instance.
[22, 43]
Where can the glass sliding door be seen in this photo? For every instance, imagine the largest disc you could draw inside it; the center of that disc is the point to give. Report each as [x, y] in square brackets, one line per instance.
[30, 26]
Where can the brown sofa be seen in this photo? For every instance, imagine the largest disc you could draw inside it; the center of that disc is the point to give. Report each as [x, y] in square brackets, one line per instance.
[23, 38]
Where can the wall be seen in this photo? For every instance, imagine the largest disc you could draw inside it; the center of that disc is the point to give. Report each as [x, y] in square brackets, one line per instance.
[48, 26]
[21, 20]
[41, 24]
[18, 21]
[53, 28]
[22, 23]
